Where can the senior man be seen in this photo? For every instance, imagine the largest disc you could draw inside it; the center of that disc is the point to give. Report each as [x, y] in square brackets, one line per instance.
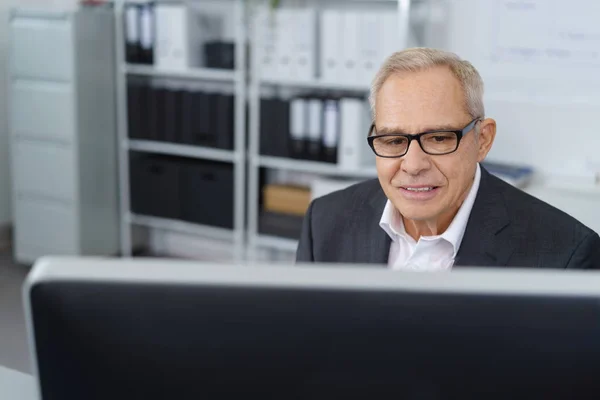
[433, 206]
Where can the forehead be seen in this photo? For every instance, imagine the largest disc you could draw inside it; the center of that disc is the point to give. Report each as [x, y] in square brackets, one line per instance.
[416, 101]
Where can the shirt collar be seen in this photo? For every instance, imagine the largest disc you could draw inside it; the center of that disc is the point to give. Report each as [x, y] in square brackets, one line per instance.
[391, 221]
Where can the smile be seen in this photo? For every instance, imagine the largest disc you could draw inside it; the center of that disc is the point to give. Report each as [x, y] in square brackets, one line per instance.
[419, 189]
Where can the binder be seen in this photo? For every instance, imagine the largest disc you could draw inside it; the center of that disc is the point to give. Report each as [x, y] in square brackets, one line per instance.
[349, 47]
[315, 129]
[330, 27]
[266, 35]
[353, 150]
[284, 42]
[198, 132]
[156, 126]
[132, 33]
[298, 127]
[171, 48]
[147, 33]
[302, 47]
[186, 115]
[172, 115]
[136, 98]
[370, 53]
[331, 130]
[223, 127]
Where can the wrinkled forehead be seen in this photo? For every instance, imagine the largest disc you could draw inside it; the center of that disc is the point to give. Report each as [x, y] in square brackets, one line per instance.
[417, 101]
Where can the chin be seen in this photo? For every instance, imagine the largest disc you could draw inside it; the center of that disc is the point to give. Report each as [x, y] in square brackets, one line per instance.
[417, 213]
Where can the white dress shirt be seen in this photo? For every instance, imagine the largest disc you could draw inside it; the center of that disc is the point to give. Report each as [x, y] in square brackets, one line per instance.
[430, 253]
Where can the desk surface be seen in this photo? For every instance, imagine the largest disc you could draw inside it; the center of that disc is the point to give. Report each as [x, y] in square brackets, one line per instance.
[15, 385]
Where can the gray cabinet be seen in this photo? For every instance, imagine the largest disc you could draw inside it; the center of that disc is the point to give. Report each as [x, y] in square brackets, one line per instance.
[63, 132]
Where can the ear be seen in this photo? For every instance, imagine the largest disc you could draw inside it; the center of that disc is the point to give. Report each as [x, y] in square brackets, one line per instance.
[487, 134]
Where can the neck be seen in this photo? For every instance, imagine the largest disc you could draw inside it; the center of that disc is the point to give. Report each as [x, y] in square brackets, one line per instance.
[418, 228]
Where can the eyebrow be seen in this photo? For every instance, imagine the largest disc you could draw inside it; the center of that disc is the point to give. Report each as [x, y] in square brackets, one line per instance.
[399, 131]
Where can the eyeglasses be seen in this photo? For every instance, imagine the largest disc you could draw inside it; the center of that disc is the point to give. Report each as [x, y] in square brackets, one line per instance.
[436, 143]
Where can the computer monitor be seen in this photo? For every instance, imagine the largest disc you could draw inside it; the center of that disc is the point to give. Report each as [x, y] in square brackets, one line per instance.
[166, 329]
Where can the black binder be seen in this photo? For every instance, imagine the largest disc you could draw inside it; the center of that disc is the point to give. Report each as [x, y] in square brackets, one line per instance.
[275, 127]
[147, 33]
[131, 24]
[156, 129]
[172, 115]
[136, 110]
[222, 126]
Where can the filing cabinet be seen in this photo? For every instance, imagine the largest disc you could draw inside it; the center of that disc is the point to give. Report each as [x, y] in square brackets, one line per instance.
[63, 132]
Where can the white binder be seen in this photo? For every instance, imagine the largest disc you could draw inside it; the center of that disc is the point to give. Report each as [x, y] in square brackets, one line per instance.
[370, 53]
[171, 46]
[302, 31]
[331, 31]
[353, 150]
[349, 47]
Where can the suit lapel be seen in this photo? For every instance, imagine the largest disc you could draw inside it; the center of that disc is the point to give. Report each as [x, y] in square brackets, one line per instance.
[373, 245]
[486, 241]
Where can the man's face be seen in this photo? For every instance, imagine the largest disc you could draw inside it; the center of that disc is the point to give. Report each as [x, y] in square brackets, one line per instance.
[423, 101]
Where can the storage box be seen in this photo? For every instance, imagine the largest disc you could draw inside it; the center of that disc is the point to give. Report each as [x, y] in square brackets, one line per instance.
[154, 183]
[286, 199]
[207, 193]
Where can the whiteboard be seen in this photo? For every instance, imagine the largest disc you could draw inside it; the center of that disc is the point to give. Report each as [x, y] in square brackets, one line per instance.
[540, 61]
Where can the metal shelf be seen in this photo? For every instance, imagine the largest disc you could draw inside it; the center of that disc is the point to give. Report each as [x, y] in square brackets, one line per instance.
[312, 167]
[191, 73]
[317, 84]
[180, 226]
[275, 242]
[182, 150]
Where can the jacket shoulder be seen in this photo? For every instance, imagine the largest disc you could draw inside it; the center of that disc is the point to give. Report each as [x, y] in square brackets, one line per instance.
[352, 198]
[539, 216]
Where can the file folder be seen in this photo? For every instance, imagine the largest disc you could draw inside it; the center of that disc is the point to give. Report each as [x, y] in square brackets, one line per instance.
[157, 114]
[223, 126]
[171, 49]
[274, 127]
[132, 33]
[315, 129]
[353, 151]
[172, 117]
[147, 33]
[331, 130]
[298, 127]
[136, 112]
[331, 31]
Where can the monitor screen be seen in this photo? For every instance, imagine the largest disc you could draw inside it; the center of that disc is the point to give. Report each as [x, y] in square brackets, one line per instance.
[148, 329]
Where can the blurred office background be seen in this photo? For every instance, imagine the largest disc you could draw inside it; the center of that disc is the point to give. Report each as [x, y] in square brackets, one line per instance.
[203, 128]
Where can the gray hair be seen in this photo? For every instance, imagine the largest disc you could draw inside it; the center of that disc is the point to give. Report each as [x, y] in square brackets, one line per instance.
[421, 58]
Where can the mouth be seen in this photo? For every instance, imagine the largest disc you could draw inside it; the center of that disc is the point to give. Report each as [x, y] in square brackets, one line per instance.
[421, 192]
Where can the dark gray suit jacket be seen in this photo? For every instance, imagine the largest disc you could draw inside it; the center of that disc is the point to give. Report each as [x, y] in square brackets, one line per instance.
[507, 227]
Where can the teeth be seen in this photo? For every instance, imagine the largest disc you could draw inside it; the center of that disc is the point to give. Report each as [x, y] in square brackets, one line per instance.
[424, 189]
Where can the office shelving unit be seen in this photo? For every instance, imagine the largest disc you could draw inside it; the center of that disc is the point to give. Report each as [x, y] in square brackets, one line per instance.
[257, 242]
[237, 156]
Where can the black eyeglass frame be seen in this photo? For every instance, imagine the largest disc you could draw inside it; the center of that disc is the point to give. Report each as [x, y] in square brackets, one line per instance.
[460, 133]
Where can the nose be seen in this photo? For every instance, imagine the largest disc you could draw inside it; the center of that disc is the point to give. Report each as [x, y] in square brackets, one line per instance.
[415, 161]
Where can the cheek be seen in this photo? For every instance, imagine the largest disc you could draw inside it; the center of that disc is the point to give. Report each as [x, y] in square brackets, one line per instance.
[387, 168]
